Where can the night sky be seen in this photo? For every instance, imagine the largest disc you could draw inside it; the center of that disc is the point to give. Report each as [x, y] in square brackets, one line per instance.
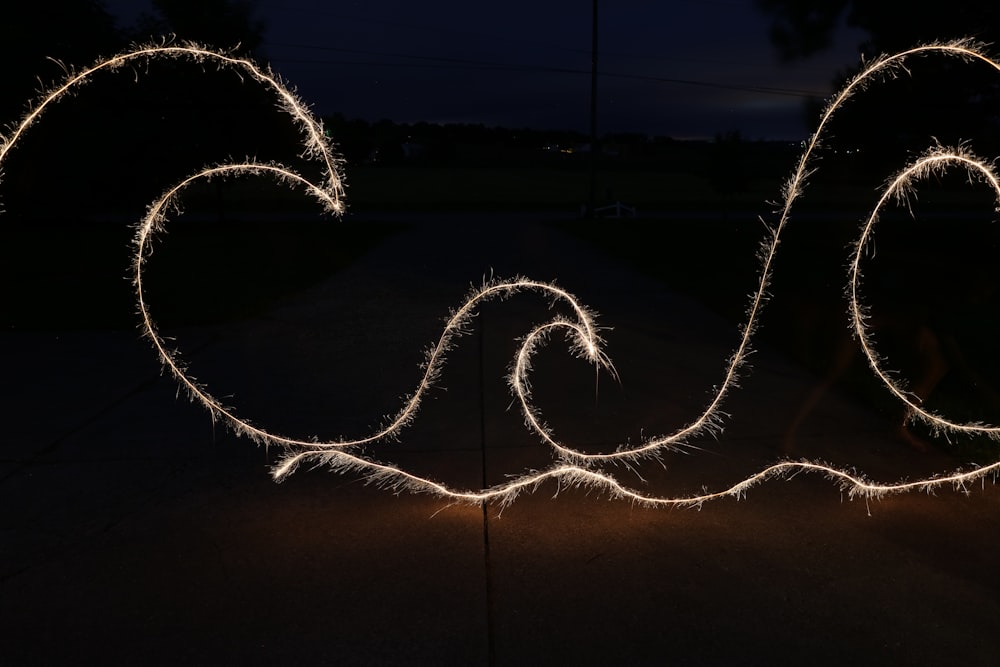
[682, 68]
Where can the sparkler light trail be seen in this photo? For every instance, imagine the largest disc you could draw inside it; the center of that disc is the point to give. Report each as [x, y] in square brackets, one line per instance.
[315, 144]
[570, 466]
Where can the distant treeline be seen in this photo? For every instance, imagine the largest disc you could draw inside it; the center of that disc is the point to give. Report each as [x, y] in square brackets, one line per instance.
[388, 143]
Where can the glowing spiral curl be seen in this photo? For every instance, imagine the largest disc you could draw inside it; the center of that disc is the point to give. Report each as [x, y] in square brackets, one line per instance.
[570, 467]
[935, 162]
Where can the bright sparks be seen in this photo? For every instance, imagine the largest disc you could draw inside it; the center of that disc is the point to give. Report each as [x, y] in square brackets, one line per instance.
[577, 324]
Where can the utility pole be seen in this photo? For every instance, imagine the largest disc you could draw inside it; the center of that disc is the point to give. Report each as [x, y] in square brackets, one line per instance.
[593, 115]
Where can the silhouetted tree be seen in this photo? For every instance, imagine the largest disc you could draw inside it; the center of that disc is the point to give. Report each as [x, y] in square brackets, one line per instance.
[224, 24]
[944, 99]
[222, 113]
[34, 34]
[801, 28]
[38, 43]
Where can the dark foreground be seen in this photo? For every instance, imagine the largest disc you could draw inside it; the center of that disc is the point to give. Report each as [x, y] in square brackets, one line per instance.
[136, 531]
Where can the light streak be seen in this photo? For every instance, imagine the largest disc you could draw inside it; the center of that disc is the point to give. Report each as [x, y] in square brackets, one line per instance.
[570, 466]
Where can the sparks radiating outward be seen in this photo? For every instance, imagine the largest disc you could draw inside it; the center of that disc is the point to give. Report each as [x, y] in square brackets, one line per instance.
[570, 466]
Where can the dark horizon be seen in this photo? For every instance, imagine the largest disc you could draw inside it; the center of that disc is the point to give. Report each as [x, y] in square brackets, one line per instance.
[688, 70]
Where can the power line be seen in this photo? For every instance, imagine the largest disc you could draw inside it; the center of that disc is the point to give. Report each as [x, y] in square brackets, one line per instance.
[424, 27]
[465, 63]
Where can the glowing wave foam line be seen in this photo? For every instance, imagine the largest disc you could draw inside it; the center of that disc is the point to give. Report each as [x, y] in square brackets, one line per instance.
[572, 468]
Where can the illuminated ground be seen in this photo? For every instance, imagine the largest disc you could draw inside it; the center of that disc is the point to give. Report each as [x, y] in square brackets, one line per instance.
[133, 531]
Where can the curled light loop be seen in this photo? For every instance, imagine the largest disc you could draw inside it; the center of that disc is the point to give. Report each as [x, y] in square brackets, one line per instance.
[933, 163]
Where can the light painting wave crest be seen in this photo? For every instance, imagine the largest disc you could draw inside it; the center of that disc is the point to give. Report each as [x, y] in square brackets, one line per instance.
[570, 466]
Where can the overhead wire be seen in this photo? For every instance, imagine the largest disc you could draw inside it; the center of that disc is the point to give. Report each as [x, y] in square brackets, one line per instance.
[468, 63]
